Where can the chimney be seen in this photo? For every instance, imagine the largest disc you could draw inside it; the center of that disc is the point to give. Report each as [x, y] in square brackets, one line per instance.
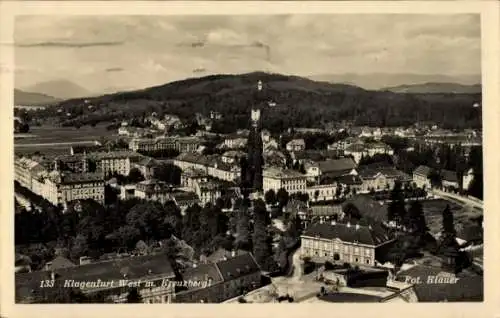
[357, 226]
[233, 253]
[194, 265]
[52, 275]
[348, 224]
[150, 271]
[321, 221]
[333, 222]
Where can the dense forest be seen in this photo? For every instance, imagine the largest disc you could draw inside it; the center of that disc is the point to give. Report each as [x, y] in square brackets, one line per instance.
[299, 102]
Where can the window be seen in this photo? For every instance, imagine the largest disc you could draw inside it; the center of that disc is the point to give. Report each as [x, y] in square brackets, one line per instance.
[357, 260]
[367, 261]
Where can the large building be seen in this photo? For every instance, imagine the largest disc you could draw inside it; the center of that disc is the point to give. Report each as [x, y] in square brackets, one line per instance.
[349, 243]
[421, 177]
[290, 180]
[181, 144]
[62, 187]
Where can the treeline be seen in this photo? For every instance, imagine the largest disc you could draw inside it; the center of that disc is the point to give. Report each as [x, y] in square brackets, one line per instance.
[300, 103]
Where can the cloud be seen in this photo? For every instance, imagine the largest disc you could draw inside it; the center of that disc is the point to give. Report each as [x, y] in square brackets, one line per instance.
[114, 69]
[69, 44]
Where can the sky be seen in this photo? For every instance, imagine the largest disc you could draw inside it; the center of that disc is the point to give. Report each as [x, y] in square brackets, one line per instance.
[102, 52]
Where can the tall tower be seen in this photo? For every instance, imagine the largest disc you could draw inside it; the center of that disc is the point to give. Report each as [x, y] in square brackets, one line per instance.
[253, 173]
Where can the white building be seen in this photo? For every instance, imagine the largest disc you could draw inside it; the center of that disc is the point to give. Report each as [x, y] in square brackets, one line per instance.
[290, 180]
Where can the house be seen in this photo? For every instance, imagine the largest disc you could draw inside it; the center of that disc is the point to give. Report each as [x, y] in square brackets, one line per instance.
[127, 191]
[325, 212]
[184, 200]
[331, 169]
[191, 177]
[147, 167]
[296, 145]
[323, 192]
[350, 243]
[58, 262]
[359, 151]
[296, 208]
[221, 279]
[106, 279]
[350, 184]
[233, 156]
[449, 179]
[383, 178]
[153, 190]
[235, 142]
[290, 180]
[467, 179]
[421, 177]
[208, 192]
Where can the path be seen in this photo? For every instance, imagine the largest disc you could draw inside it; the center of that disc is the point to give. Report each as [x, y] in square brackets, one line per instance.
[475, 203]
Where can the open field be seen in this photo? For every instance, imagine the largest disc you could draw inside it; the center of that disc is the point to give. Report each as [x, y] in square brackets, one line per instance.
[51, 134]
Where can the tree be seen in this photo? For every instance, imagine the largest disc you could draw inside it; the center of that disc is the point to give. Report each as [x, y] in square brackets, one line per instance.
[282, 197]
[396, 211]
[448, 231]
[133, 296]
[262, 240]
[270, 197]
[243, 226]
[135, 175]
[416, 218]
[435, 179]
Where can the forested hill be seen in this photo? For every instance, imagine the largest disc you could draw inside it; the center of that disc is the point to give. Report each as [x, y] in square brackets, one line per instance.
[300, 102]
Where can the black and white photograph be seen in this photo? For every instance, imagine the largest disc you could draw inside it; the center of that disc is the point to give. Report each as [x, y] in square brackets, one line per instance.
[248, 158]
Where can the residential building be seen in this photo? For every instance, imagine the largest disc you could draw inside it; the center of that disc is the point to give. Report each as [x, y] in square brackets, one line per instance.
[223, 279]
[368, 208]
[111, 280]
[147, 167]
[330, 169]
[153, 190]
[323, 192]
[184, 200]
[383, 178]
[160, 143]
[350, 243]
[233, 156]
[25, 170]
[290, 180]
[467, 179]
[350, 183]
[223, 171]
[80, 186]
[449, 179]
[296, 145]
[191, 177]
[235, 142]
[114, 161]
[359, 151]
[421, 177]
[208, 192]
[127, 191]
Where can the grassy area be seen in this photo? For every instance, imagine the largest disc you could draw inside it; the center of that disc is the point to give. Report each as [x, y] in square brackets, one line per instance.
[51, 134]
[433, 210]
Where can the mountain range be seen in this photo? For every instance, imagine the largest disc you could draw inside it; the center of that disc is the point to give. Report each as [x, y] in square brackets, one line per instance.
[31, 99]
[377, 81]
[432, 88]
[60, 89]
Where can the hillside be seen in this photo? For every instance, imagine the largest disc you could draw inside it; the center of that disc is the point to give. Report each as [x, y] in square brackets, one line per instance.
[433, 88]
[61, 89]
[300, 102]
[30, 99]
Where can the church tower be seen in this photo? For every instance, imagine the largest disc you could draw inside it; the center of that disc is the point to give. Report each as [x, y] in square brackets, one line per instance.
[254, 159]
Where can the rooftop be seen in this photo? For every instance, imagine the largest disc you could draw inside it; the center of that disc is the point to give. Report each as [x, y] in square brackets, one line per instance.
[423, 171]
[346, 232]
[273, 172]
[240, 265]
[336, 165]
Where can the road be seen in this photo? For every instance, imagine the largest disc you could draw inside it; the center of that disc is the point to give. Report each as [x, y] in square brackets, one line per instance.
[456, 197]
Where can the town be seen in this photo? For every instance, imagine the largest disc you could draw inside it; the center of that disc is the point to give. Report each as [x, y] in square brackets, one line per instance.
[343, 213]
